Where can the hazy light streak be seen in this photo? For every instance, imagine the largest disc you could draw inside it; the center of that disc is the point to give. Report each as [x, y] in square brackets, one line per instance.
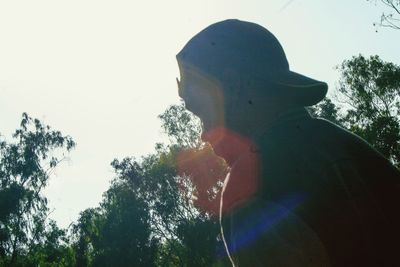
[265, 218]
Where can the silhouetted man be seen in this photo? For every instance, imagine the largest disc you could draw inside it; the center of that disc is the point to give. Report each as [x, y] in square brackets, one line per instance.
[301, 191]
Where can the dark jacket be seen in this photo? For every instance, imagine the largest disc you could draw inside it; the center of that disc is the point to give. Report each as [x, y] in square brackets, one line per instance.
[325, 198]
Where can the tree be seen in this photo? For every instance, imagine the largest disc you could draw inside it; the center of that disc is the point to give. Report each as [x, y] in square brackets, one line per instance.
[181, 126]
[188, 236]
[84, 234]
[157, 211]
[371, 89]
[389, 19]
[148, 216]
[179, 193]
[25, 169]
[53, 251]
[115, 234]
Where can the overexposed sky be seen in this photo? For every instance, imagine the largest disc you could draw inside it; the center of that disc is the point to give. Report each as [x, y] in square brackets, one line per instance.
[101, 71]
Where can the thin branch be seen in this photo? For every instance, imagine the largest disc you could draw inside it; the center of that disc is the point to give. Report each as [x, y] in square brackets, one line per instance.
[394, 7]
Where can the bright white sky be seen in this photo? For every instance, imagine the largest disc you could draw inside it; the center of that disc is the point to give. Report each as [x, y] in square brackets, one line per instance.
[101, 71]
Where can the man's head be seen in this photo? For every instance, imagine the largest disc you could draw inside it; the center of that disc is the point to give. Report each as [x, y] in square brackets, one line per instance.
[232, 65]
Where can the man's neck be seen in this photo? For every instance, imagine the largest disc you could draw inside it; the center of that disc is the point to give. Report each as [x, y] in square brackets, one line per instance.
[256, 126]
[237, 142]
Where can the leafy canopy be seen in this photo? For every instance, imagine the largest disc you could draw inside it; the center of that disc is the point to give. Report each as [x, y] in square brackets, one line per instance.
[25, 169]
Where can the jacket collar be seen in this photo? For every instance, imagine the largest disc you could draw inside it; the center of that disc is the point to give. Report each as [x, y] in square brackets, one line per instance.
[283, 119]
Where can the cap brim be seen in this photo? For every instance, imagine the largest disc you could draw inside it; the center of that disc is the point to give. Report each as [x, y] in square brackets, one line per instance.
[301, 89]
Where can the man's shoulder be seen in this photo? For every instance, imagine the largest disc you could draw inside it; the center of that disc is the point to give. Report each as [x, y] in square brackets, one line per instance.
[335, 136]
[314, 141]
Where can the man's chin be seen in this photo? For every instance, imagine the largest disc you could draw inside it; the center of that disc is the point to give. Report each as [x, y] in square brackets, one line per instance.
[226, 143]
[215, 137]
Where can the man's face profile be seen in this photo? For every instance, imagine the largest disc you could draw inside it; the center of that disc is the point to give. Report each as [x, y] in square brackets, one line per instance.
[202, 96]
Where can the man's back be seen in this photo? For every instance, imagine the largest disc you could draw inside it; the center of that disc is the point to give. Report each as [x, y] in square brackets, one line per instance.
[325, 197]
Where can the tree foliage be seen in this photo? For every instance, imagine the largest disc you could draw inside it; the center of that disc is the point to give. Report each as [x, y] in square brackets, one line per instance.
[369, 94]
[181, 127]
[25, 168]
[371, 89]
[117, 233]
[155, 195]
